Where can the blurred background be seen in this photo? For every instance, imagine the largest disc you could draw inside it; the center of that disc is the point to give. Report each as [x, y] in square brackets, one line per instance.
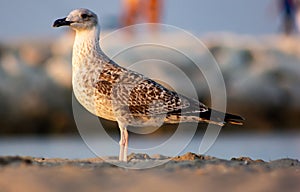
[256, 44]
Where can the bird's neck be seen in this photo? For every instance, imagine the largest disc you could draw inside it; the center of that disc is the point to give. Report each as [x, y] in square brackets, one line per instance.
[86, 47]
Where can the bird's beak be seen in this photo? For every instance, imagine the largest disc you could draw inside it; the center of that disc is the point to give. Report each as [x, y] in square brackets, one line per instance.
[61, 22]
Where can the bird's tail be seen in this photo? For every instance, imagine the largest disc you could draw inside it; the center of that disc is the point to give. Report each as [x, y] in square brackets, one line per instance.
[217, 116]
[210, 116]
[234, 119]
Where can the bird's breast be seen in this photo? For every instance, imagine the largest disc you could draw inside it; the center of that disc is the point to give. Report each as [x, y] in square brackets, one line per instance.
[86, 93]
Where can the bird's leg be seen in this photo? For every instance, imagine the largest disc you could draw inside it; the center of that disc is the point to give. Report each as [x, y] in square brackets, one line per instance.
[121, 154]
[123, 144]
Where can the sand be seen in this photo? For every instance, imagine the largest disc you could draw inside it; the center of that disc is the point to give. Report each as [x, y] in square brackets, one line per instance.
[189, 172]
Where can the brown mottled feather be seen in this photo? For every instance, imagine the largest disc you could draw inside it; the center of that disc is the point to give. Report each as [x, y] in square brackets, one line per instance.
[145, 96]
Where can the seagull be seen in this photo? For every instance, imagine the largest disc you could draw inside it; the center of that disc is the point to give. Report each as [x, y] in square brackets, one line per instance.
[115, 93]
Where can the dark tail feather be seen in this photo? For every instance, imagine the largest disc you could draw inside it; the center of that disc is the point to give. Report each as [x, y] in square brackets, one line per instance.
[233, 119]
[217, 116]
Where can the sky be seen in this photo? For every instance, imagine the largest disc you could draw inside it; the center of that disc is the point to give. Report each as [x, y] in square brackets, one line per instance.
[32, 18]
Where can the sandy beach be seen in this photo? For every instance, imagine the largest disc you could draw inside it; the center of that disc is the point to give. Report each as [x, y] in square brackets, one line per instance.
[189, 172]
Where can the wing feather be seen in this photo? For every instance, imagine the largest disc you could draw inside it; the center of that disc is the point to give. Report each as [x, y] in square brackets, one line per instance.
[143, 96]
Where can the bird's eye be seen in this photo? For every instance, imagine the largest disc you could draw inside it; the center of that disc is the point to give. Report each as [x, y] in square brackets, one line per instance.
[84, 16]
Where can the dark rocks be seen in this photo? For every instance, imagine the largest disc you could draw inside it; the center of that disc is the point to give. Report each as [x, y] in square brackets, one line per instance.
[15, 160]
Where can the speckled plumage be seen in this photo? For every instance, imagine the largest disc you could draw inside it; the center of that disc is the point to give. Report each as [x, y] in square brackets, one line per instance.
[112, 92]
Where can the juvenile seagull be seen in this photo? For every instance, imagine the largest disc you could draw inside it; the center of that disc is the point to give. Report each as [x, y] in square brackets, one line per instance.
[115, 93]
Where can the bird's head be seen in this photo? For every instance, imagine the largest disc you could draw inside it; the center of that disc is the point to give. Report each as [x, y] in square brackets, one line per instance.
[79, 20]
